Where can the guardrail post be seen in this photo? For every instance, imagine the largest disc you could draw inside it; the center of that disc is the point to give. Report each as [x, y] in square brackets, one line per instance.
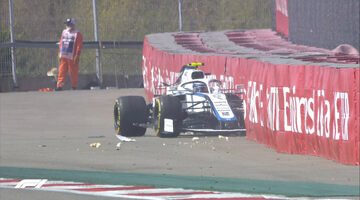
[98, 64]
[180, 15]
[13, 56]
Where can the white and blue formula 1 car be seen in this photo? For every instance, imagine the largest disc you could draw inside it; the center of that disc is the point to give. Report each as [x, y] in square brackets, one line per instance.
[194, 103]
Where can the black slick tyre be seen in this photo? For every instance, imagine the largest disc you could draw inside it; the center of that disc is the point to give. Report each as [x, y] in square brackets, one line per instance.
[167, 107]
[127, 111]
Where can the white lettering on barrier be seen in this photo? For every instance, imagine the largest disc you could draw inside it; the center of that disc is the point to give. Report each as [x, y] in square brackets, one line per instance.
[341, 114]
[255, 102]
[345, 116]
[293, 112]
[252, 101]
[154, 76]
[299, 114]
[300, 102]
[273, 108]
[323, 119]
[261, 105]
[309, 112]
[160, 80]
[152, 81]
[287, 127]
[144, 73]
[227, 82]
[174, 76]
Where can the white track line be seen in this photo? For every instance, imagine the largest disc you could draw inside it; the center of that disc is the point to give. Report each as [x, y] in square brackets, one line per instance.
[137, 192]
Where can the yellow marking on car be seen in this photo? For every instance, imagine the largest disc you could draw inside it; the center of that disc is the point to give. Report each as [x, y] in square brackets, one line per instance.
[196, 64]
[116, 103]
[118, 121]
[159, 116]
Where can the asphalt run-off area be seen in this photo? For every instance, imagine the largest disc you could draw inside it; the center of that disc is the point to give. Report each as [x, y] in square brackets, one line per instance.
[48, 135]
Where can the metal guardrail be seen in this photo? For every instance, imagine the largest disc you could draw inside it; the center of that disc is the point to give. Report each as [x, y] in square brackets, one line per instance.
[86, 44]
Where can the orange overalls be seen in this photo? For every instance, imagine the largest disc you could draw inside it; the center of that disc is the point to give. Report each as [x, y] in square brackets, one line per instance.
[70, 47]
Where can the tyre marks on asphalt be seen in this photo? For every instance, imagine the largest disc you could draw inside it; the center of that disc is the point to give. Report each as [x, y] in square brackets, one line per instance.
[137, 192]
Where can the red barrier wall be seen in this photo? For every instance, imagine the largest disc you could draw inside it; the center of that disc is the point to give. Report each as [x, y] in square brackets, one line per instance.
[282, 17]
[309, 110]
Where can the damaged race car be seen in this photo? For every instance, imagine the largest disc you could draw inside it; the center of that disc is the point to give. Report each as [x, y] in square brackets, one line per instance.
[194, 103]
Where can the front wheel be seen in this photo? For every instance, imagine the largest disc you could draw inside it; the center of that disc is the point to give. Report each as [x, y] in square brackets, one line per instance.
[168, 116]
[129, 111]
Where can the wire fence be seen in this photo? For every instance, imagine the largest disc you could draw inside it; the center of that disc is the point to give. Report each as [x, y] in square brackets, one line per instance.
[118, 20]
[5, 54]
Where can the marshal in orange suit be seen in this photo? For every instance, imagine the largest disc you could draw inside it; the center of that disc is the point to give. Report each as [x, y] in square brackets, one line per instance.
[70, 47]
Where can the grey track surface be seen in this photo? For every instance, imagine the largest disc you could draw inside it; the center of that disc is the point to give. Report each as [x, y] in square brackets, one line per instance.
[54, 129]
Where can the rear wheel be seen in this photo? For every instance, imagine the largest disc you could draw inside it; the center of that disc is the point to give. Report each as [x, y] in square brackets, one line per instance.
[130, 110]
[168, 116]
